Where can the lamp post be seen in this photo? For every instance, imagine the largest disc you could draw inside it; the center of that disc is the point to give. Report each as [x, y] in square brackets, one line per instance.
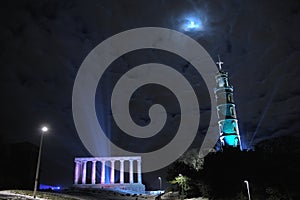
[181, 180]
[159, 179]
[44, 130]
[248, 190]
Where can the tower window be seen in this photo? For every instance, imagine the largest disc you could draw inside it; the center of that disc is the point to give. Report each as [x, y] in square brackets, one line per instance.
[232, 113]
[221, 82]
[236, 141]
[229, 98]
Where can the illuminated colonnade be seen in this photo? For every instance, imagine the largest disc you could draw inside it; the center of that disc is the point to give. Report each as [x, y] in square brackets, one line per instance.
[80, 176]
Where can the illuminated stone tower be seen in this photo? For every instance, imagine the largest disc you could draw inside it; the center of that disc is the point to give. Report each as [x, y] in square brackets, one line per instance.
[228, 123]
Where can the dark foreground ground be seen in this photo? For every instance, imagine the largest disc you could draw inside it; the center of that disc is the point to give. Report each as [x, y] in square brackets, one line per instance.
[73, 195]
[83, 195]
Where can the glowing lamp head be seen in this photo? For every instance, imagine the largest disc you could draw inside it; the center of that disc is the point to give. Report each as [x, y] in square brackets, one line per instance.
[44, 129]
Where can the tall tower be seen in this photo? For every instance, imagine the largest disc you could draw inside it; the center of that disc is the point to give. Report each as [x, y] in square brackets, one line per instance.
[227, 119]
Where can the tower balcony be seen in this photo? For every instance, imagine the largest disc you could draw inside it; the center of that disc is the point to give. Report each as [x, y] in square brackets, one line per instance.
[226, 111]
[224, 97]
[230, 141]
[221, 74]
[228, 89]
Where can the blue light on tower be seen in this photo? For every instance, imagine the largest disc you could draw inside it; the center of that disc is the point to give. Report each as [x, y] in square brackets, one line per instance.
[228, 123]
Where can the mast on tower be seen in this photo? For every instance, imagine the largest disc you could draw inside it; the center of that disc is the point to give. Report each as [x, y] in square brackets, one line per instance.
[227, 118]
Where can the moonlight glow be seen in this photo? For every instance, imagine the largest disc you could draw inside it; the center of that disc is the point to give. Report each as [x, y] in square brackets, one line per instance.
[192, 24]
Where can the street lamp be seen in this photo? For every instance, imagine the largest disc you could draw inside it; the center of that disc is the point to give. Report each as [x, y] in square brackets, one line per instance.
[44, 129]
[248, 190]
[159, 178]
[181, 180]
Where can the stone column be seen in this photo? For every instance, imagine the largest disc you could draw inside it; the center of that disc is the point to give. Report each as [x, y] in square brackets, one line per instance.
[130, 171]
[94, 172]
[139, 171]
[121, 171]
[77, 172]
[83, 172]
[103, 172]
[112, 172]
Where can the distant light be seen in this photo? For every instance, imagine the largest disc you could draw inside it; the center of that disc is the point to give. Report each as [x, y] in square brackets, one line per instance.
[45, 129]
[49, 187]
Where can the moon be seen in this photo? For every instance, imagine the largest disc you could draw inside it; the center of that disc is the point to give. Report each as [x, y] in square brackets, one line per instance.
[192, 24]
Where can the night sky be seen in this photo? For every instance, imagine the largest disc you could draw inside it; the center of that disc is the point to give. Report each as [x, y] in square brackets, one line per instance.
[43, 43]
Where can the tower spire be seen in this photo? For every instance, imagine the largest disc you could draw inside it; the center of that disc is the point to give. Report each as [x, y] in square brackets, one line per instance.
[219, 63]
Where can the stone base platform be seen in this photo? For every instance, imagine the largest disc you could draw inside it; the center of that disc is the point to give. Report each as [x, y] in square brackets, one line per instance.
[134, 187]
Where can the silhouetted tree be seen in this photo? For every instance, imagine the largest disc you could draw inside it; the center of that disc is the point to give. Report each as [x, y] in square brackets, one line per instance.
[272, 171]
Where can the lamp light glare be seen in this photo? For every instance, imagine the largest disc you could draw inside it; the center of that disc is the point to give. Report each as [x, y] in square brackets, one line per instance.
[44, 129]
